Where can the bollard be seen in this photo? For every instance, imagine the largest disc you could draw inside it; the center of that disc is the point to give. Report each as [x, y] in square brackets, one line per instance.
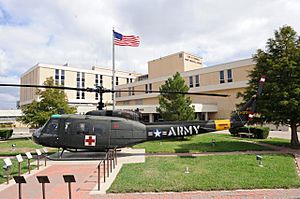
[104, 176]
[116, 156]
[107, 164]
[99, 176]
[110, 161]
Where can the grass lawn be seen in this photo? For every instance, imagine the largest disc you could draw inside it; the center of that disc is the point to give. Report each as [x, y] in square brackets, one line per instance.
[199, 143]
[274, 141]
[22, 146]
[279, 142]
[159, 174]
[14, 169]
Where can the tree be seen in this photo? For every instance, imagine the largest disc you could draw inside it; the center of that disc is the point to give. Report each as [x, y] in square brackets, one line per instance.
[280, 63]
[53, 101]
[175, 107]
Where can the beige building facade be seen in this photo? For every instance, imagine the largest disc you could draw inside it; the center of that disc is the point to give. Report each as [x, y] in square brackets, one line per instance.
[73, 77]
[228, 78]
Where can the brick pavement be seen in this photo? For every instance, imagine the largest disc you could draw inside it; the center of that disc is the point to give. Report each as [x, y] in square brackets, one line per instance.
[57, 189]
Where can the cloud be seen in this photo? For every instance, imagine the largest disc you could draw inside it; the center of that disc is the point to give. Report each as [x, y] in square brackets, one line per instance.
[80, 33]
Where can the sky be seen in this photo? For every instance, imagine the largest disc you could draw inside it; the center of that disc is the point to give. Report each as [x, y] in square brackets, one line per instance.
[79, 32]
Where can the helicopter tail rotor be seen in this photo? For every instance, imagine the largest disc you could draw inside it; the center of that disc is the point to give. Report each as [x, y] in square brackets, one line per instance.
[247, 112]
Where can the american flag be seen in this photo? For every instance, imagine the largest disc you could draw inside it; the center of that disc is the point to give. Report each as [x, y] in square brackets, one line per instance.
[122, 40]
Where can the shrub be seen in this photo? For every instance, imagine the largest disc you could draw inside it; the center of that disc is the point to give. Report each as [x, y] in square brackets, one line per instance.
[5, 133]
[259, 132]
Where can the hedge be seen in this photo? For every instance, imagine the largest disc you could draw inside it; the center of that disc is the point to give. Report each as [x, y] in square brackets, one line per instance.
[259, 132]
[6, 133]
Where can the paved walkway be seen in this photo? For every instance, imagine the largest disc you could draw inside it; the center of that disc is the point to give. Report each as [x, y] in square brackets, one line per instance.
[57, 189]
[86, 177]
[246, 194]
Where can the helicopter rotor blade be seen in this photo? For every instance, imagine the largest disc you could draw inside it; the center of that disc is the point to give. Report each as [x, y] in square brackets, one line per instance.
[173, 92]
[43, 86]
[103, 90]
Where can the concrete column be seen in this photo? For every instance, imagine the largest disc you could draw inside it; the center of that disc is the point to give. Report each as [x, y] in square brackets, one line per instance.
[206, 115]
[151, 117]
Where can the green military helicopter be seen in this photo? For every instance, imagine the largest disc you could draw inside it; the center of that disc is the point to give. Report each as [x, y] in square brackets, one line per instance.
[100, 130]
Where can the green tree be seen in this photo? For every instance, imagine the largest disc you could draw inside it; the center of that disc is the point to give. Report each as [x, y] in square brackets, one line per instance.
[280, 63]
[52, 101]
[175, 107]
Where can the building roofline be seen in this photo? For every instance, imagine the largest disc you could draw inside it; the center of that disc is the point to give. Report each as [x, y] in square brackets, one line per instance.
[202, 70]
[175, 54]
[77, 69]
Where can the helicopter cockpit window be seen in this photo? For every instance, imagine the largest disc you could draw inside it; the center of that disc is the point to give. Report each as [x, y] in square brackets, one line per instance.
[52, 126]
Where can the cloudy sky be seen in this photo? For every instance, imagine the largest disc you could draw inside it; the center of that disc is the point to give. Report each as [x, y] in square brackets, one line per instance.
[79, 32]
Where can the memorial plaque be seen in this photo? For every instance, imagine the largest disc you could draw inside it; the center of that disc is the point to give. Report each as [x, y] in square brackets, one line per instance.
[69, 178]
[43, 179]
[19, 158]
[7, 162]
[19, 179]
[28, 154]
[45, 150]
[38, 152]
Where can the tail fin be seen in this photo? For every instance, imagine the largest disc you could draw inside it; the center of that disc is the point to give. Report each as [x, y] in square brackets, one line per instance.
[244, 118]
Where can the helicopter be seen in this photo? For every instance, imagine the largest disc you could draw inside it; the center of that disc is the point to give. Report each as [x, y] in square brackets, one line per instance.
[101, 130]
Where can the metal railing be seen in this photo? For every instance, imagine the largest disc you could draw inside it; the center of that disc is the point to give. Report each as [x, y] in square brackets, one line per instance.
[109, 163]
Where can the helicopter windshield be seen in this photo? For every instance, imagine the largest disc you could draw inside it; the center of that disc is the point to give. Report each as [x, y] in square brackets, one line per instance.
[51, 127]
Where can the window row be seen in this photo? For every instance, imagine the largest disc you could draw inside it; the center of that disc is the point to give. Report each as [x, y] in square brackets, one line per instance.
[59, 77]
[222, 76]
[197, 81]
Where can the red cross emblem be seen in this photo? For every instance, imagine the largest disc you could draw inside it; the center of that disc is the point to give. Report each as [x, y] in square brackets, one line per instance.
[90, 140]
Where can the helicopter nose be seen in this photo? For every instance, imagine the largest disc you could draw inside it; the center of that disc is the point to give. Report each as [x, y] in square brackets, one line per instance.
[36, 135]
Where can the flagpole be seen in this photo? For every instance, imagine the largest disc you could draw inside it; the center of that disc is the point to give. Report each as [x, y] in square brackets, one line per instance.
[113, 70]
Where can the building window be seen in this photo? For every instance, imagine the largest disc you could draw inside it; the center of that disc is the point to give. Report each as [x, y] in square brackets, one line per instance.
[82, 85]
[197, 81]
[101, 80]
[132, 88]
[146, 88]
[62, 77]
[56, 76]
[129, 91]
[229, 75]
[127, 80]
[150, 88]
[118, 94]
[191, 82]
[78, 85]
[222, 79]
[96, 84]
[130, 80]
[117, 81]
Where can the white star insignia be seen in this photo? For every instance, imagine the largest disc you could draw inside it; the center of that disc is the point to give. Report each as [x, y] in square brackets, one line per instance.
[157, 133]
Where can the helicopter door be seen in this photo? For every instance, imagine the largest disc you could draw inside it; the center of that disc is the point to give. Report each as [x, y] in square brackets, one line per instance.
[75, 132]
